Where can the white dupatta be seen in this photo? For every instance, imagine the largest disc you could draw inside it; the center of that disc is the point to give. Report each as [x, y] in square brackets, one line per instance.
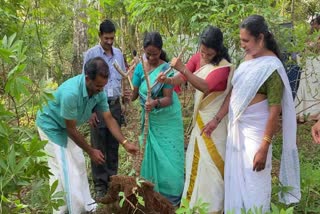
[247, 79]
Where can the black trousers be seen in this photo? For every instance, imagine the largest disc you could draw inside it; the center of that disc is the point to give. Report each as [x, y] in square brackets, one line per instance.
[102, 139]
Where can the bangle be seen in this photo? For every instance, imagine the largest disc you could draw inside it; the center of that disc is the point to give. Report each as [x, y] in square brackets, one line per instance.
[267, 139]
[217, 118]
[124, 142]
[158, 103]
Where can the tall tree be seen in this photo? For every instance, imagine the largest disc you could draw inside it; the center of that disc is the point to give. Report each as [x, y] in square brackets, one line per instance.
[80, 39]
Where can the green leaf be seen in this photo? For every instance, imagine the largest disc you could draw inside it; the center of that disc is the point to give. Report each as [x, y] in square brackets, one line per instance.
[11, 39]
[12, 159]
[5, 55]
[123, 197]
[3, 164]
[54, 187]
[4, 199]
[22, 163]
[4, 41]
[140, 200]
[4, 129]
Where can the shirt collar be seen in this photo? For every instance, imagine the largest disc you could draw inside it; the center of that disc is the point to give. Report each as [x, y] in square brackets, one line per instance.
[102, 50]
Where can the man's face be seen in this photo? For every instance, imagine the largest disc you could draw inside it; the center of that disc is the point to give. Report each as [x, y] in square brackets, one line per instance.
[106, 40]
[95, 86]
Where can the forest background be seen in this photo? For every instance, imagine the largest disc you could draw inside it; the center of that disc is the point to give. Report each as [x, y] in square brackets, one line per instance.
[42, 44]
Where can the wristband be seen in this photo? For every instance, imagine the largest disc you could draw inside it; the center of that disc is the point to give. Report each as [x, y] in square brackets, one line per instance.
[158, 103]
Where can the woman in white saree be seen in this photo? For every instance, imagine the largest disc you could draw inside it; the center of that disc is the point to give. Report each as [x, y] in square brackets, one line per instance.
[260, 92]
[208, 71]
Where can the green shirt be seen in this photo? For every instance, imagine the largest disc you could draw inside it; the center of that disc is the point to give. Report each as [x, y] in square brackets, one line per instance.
[72, 102]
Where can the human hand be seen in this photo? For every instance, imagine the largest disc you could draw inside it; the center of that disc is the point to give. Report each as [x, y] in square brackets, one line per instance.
[149, 105]
[177, 64]
[315, 131]
[210, 127]
[162, 78]
[93, 121]
[127, 95]
[131, 148]
[96, 156]
[260, 158]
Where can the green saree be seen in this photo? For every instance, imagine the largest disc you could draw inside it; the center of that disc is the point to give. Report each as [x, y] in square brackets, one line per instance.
[163, 162]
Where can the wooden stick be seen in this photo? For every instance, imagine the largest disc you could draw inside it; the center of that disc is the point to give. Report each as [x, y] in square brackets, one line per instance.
[146, 118]
[170, 68]
[125, 75]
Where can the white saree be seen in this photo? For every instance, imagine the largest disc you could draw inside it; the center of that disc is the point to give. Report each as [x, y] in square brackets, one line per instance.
[205, 156]
[244, 188]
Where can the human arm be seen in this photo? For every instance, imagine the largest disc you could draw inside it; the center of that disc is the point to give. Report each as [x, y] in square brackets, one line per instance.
[273, 89]
[164, 101]
[136, 81]
[315, 130]
[115, 130]
[179, 78]
[272, 127]
[94, 154]
[196, 81]
[135, 93]
[223, 111]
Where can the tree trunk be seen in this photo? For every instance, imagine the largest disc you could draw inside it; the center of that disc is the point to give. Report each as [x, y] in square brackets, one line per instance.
[80, 39]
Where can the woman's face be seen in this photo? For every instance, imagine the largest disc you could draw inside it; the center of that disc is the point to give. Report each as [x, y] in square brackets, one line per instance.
[153, 54]
[207, 54]
[250, 44]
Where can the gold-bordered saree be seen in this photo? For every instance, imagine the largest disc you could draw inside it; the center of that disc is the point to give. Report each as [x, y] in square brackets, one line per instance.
[205, 156]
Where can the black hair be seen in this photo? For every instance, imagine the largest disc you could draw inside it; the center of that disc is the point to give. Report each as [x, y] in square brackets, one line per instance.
[96, 66]
[212, 37]
[107, 26]
[316, 20]
[155, 39]
[256, 25]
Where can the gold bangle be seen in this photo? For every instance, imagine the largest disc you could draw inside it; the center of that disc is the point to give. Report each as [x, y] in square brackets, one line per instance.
[124, 142]
[267, 139]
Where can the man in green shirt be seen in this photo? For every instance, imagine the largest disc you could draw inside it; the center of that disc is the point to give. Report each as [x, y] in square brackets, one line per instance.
[72, 105]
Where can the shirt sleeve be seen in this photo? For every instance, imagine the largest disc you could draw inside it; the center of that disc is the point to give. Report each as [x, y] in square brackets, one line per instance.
[274, 86]
[68, 104]
[102, 104]
[217, 80]
[192, 65]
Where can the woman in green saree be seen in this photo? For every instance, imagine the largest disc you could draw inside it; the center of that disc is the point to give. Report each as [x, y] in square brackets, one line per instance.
[163, 161]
